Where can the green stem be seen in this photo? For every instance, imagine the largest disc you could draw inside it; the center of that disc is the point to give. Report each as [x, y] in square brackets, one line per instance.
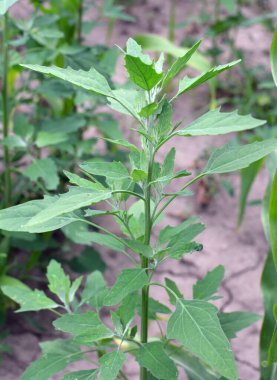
[80, 22]
[145, 264]
[6, 118]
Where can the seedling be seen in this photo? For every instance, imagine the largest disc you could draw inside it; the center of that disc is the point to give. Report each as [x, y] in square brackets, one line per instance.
[196, 335]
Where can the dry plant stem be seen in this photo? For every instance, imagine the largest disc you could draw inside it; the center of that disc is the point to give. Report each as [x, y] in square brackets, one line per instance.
[5, 110]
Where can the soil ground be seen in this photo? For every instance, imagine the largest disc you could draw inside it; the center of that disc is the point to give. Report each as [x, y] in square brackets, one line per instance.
[242, 253]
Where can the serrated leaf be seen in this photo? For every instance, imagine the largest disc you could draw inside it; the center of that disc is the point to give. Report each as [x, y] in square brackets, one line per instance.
[74, 199]
[219, 123]
[5, 5]
[204, 289]
[172, 286]
[85, 327]
[90, 374]
[112, 170]
[206, 338]
[142, 74]
[186, 235]
[139, 247]
[28, 299]
[59, 282]
[140, 68]
[90, 80]
[45, 169]
[82, 182]
[128, 281]
[110, 365]
[232, 158]
[165, 119]
[127, 308]
[180, 63]
[169, 232]
[95, 290]
[17, 217]
[188, 84]
[153, 357]
[233, 322]
[56, 356]
[178, 249]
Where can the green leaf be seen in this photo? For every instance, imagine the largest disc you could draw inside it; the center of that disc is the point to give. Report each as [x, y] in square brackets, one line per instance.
[169, 232]
[140, 248]
[152, 42]
[124, 143]
[233, 322]
[45, 169]
[90, 80]
[14, 142]
[247, 177]
[148, 110]
[153, 357]
[5, 5]
[128, 281]
[28, 299]
[138, 175]
[57, 356]
[85, 327]
[111, 364]
[127, 309]
[65, 125]
[172, 286]
[90, 374]
[188, 84]
[273, 57]
[74, 199]
[273, 219]
[82, 182]
[269, 291]
[180, 248]
[59, 282]
[140, 68]
[17, 217]
[186, 235]
[193, 367]
[180, 63]
[165, 119]
[87, 261]
[232, 158]
[94, 290]
[45, 139]
[272, 352]
[206, 339]
[111, 170]
[205, 289]
[219, 123]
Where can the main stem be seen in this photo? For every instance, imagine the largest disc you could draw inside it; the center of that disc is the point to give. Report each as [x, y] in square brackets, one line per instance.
[5, 110]
[145, 264]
